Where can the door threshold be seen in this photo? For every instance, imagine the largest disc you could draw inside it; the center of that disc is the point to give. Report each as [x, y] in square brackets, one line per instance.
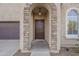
[39, 40]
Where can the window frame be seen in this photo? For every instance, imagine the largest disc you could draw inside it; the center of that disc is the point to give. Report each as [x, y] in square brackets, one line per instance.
[66, 32]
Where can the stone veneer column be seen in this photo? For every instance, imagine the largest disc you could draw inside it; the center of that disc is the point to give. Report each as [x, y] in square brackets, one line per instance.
[53, 29]
[26, 44]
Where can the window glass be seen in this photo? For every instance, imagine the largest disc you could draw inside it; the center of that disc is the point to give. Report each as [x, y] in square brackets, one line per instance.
[72, 22]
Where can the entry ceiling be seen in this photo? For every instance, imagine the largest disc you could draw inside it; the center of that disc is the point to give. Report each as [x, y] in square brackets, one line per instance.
[40, 9]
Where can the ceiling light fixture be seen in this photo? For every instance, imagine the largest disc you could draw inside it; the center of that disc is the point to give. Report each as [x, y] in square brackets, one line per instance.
[39, 12]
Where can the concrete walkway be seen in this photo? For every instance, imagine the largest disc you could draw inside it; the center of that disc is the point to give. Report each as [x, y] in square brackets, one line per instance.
[8, 47]
[40, 48]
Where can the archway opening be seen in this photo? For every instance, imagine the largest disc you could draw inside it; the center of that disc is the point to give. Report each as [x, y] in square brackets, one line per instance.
[40, 22]
[40, 18]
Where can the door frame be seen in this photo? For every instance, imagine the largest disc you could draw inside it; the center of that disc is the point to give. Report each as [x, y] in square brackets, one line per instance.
[43, 27]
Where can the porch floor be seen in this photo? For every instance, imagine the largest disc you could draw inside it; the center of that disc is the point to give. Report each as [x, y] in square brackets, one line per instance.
[40, 48]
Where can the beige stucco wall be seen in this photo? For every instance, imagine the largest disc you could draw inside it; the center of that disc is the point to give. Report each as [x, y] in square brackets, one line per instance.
[11, 11]
[66, 42]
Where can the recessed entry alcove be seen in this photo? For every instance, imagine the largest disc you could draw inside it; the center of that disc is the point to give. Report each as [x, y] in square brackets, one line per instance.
[40, 23]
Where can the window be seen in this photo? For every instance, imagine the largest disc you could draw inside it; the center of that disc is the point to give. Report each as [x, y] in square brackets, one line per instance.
[72, 24]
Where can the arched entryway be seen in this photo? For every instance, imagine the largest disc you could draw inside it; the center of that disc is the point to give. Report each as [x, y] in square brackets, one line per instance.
[47, 17]
[39, 17]
[40, 31]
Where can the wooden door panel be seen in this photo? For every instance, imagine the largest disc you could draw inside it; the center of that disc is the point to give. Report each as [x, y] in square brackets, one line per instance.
[39, 29]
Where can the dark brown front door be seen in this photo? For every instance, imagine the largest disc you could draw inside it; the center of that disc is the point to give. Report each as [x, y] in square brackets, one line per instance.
[39, 29]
